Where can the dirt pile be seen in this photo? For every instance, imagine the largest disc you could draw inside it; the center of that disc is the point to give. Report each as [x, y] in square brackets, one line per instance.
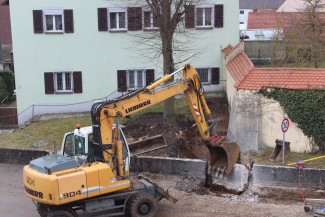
[182, 137]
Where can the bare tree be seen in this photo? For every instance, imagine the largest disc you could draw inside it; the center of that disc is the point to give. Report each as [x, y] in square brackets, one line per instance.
[169, 38]
[304, 34]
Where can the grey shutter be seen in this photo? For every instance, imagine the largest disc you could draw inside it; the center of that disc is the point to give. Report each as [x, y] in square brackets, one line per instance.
[134, 18]
[189, 16]
[102, 19]
[38, 21]
[121, 81]
[218, 16]
[49, 82]
[68, 21]
[77, 82]
[215, 76]
[150, 76]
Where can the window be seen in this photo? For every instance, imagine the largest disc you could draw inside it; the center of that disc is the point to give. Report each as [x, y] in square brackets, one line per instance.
[117, 18]
[242, 12]
[204, 15]
[241, 22]
[135, 79]
[149, 20]
[205, 75]
[53, 20]
[63, 81]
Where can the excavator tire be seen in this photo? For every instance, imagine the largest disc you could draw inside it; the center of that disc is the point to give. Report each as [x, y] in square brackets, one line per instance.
[141, 205]
[62, 213]
[42, 209]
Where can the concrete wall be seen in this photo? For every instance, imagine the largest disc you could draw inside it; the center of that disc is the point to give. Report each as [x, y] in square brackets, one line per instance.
[270, 128]
[174, 166]
[20, 156]
[288, 177]
[98, 55]
[243, 125]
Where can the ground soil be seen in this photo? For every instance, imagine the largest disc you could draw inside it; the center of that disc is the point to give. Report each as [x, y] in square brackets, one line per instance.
[182, 137]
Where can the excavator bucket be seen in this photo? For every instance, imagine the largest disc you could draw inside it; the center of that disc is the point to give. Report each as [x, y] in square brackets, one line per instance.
[147, 144]
[223, 155]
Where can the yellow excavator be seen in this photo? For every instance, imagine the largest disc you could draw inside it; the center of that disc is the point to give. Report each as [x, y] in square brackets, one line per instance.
[60, 186]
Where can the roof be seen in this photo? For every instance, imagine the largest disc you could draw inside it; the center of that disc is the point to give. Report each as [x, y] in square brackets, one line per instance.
[227, 50]
[248, 77]
[274, 20]
[262, 20]
[240, 66]
[5, 28]
[260, 4]
[287, 78]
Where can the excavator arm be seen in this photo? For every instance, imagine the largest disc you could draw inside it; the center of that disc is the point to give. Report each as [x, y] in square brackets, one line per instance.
[103, 115]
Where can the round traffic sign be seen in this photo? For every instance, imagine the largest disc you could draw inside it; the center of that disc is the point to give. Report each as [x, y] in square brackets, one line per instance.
[285, 125]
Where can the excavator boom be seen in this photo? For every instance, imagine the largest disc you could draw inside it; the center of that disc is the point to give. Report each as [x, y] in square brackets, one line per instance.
[223, 155]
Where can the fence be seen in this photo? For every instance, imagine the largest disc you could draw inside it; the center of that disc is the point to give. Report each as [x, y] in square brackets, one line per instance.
[8, 116]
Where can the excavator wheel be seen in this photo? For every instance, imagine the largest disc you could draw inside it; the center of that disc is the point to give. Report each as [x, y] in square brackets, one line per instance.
[62, 213]
[42, 209]
[141, 205]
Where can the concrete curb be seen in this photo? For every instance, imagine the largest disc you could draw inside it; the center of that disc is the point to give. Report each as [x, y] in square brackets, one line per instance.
[20, 156]
[288, 176]
[166, 165]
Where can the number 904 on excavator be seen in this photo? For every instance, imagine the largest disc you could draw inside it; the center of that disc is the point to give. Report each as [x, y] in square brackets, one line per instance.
[101, 182]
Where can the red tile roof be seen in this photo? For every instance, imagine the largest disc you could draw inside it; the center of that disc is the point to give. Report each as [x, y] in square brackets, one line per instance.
[262, 20]
[5, 28]
[230, 48]
[240, 66]
[287, 78]
[247, 76]
[273, 20]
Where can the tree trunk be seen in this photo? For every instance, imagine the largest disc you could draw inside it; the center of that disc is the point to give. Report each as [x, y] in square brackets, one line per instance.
[169, 110]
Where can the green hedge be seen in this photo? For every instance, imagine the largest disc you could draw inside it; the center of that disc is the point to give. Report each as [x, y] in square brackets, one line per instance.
[304, 107]
[3, 90]
[9, 80]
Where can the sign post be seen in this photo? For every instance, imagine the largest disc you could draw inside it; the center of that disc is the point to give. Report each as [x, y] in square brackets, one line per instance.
[284, 128]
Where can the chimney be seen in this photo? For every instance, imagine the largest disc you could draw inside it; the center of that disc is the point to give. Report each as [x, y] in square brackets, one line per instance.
[254, 10]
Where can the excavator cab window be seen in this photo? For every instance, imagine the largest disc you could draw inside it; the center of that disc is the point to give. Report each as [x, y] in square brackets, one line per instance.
[68, 145]
[79, 145]
[90, 145]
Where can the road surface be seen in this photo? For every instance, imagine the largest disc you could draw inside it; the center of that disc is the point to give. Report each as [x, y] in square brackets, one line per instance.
[13, 201]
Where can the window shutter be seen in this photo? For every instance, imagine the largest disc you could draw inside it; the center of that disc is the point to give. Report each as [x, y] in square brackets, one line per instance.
[134, 18]
[189, 16]
[77, 82]
[102, 19]
[38, 21]
[215, 76]
[218, 16]
[150, 76]
[68, 21]
[49, 83]
[121, 81]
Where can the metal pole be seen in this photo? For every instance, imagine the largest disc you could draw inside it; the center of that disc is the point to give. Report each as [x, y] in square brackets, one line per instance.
[117, 127]
[283, 147]
[55, 149]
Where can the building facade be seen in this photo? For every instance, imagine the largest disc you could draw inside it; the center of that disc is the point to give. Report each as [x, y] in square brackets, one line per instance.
[69, 54]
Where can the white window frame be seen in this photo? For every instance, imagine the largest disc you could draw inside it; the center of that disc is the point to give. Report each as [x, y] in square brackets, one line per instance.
[209, 74]
[148, 9]
[204, 6]
[135, 78]
[63, 82]
[53, 12]
[117, 10]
